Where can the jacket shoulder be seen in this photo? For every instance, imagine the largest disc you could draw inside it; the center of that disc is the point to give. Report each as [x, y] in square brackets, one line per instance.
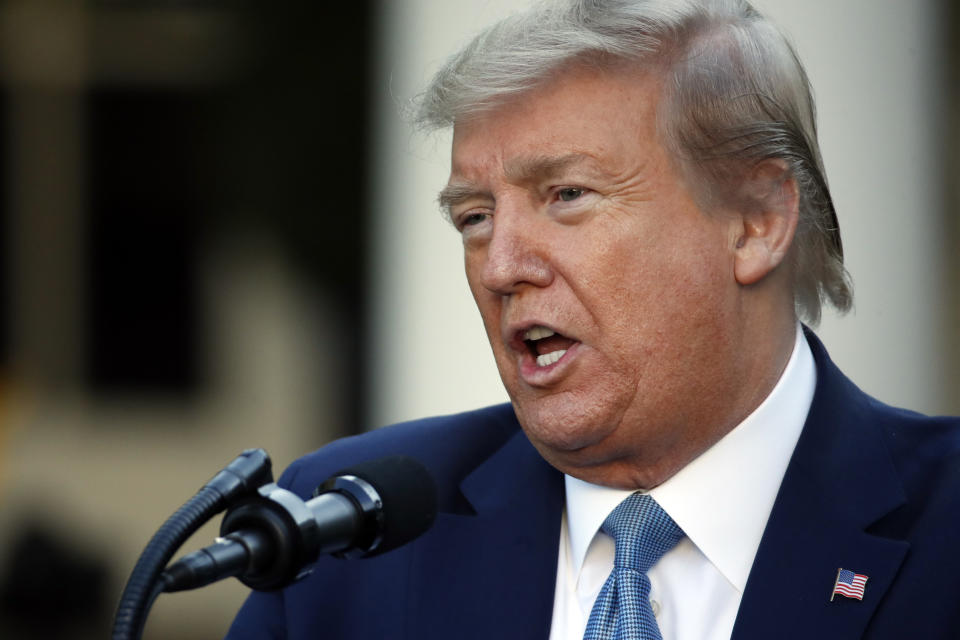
[924, 450]
[448, 446]
[926, 453]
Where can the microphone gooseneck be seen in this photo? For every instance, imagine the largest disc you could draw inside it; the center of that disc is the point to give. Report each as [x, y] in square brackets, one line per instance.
[249, 470]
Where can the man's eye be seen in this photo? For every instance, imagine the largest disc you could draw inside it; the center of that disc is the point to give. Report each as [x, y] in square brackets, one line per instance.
[569, 194]
[472, 219]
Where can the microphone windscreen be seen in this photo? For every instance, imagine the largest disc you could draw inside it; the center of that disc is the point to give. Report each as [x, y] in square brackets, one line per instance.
[409, 497]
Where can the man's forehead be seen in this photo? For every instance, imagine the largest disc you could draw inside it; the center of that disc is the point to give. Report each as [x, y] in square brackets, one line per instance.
[519, 167]
[571, 115]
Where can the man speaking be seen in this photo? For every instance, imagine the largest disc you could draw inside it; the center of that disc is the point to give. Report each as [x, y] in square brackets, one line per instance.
[646, 224]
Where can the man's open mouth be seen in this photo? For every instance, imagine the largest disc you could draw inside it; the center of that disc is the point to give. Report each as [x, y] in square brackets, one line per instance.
[546, 345]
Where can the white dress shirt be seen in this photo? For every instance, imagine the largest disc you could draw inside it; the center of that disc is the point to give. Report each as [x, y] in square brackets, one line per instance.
[721, 500]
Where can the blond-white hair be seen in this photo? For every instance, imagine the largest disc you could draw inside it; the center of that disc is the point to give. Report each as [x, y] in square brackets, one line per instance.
[736, 94]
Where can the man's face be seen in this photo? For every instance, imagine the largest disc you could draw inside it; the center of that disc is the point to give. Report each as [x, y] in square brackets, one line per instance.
[606, 292]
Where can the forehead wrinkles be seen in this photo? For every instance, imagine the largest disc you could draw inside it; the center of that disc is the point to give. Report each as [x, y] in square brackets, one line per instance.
[528, 168]
[516, 170]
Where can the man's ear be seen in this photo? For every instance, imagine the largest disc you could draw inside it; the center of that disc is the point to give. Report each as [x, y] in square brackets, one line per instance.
[767, 222]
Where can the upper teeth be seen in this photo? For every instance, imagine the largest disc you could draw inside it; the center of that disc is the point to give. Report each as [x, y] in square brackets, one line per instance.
[537, 333]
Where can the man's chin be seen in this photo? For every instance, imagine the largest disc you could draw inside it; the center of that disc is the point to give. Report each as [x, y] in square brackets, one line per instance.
[579, 446]
[603, 465]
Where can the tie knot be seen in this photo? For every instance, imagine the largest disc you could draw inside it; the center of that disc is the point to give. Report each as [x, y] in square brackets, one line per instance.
[642, 532]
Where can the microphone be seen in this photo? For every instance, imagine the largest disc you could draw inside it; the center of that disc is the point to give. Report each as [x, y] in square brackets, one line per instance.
[268, 540]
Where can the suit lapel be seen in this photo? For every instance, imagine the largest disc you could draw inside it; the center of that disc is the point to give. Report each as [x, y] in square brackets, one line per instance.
[840, 480]
[492, 574]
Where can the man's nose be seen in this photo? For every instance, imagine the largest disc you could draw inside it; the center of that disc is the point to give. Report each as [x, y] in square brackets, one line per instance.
[515, 256]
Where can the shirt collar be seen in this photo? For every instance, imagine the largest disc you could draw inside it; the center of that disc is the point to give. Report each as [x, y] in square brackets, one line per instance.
[723, 498]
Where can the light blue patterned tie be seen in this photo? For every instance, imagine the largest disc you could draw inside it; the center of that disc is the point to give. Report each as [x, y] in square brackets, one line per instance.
[642, 532]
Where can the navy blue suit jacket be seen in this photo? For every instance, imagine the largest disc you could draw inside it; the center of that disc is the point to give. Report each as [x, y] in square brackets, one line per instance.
[869, 488]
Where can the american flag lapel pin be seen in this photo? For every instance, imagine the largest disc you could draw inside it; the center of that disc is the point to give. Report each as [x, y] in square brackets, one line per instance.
[849, 584]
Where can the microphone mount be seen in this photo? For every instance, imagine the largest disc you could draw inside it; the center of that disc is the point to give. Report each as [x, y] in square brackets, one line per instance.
[270, 537]
[267, 540]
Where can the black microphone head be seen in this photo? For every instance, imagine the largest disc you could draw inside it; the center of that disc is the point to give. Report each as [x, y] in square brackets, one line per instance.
[408, 495]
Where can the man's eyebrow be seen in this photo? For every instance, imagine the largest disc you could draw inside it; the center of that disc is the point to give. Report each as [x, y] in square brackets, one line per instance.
[517, 170]
[455, 193]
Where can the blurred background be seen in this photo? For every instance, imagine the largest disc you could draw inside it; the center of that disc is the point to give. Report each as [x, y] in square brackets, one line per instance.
[218, 232]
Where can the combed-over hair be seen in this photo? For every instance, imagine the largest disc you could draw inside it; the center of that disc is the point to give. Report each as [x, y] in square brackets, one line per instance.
[736, 94]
